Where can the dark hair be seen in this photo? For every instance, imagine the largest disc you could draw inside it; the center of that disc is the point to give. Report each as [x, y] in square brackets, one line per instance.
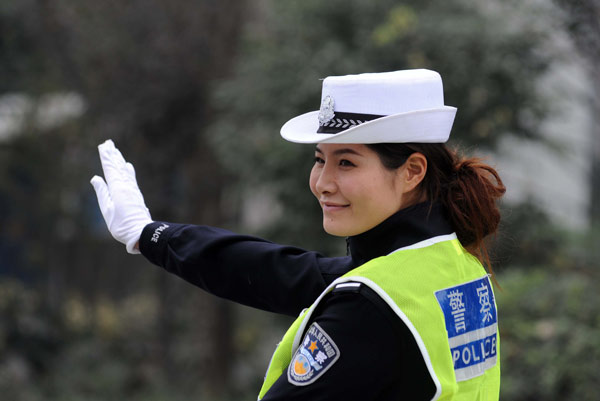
[467, 187]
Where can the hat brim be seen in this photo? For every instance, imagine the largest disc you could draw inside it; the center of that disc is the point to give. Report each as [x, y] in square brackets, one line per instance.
[421, 126]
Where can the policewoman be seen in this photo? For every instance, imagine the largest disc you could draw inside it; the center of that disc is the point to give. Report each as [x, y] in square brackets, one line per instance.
[410, 313]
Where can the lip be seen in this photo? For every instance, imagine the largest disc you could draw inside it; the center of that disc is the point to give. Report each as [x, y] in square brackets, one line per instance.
[333, 207]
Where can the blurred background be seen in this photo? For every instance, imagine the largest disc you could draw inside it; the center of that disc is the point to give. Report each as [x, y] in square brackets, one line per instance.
[194, 92]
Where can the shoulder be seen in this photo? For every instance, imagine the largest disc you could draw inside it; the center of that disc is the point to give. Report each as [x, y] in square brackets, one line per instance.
[354, 348]
[361, 308]
[368, 332]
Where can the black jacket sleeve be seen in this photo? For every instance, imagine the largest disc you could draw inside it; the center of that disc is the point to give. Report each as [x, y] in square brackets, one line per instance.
[242, 268]
[379, 358]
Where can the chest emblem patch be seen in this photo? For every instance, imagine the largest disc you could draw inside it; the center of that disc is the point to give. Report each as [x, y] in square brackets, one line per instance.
[314, 356]
[471, 322]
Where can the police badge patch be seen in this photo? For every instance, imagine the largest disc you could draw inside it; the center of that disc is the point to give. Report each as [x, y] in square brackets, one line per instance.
[314, 356]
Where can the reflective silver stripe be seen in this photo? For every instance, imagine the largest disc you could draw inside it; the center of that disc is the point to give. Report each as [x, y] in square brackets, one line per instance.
[344, 285]
[428, 242]
[475, 370]
[473, 336]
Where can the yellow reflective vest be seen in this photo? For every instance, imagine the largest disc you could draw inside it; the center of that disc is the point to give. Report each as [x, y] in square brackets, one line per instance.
[444, 296]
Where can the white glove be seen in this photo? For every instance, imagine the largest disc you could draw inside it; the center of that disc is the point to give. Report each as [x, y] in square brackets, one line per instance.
[121, 201]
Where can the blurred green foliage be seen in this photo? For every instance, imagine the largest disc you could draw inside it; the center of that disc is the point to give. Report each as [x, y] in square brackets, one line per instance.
[549, 331]
[106, 350]
[194, 92]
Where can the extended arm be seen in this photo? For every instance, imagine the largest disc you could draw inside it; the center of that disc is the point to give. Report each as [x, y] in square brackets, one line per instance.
[241, 268]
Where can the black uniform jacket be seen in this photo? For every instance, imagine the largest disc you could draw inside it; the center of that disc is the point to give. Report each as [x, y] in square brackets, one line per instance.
[379, 358]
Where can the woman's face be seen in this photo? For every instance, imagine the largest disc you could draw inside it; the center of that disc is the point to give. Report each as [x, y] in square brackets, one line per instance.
[355, 191]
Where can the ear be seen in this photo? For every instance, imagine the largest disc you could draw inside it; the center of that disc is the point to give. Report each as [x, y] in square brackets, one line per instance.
[414, 168]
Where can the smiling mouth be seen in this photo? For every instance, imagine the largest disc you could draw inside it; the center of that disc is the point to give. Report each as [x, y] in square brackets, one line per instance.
[331, 207]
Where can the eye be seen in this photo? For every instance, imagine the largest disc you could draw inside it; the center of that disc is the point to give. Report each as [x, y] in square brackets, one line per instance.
[346, 163]
[319, 160]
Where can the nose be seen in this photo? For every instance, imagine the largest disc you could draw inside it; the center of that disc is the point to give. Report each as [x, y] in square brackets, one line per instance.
[326, 180]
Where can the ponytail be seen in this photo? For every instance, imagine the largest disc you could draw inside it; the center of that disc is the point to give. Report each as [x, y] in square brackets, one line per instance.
[470, 199]
[467, 187]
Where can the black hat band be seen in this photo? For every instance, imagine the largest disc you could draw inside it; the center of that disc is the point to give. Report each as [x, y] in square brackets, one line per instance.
[342, 121]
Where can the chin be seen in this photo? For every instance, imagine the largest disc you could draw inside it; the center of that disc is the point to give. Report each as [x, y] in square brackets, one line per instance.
[336, 233]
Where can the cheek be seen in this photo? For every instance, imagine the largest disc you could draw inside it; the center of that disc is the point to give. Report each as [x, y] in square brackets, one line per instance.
[376, 196]
[312, 181]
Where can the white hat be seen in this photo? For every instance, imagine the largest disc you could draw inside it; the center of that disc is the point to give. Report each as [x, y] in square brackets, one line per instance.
[387, 107]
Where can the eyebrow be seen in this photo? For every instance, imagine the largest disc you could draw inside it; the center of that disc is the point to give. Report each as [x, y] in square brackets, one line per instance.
[340, 151]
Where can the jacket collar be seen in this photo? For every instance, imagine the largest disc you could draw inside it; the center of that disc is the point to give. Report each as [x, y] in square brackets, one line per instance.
[406, 227]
